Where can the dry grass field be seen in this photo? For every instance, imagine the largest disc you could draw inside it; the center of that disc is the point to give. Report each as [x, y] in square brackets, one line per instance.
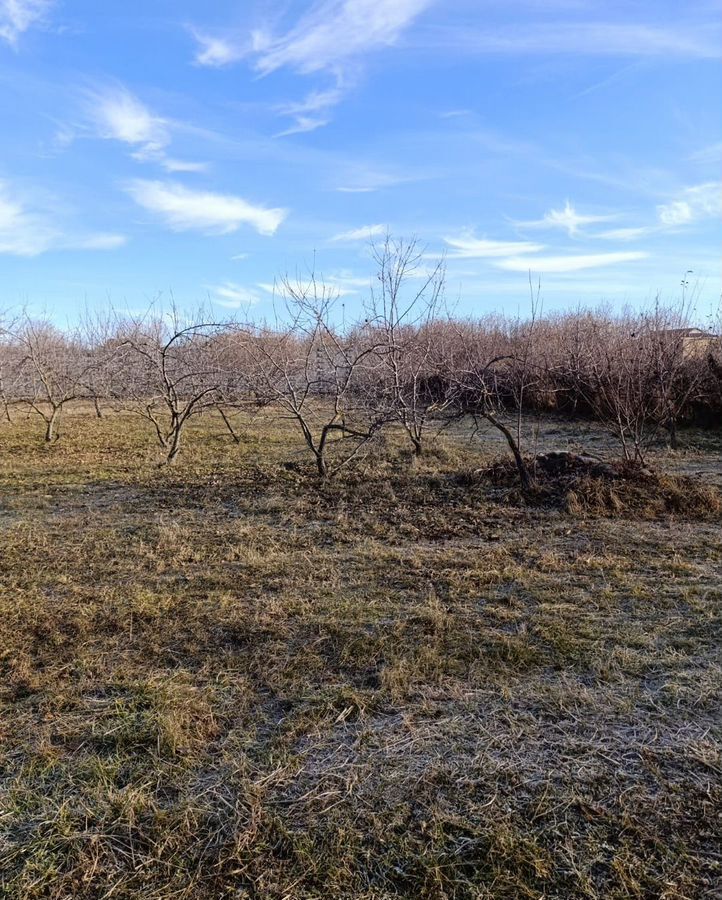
[220, 681]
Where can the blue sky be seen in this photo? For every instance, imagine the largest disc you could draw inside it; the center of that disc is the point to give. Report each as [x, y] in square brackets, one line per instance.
[204, 150]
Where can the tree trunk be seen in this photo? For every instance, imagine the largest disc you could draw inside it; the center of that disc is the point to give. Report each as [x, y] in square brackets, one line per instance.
[321, 465]
[527, 482]
[320, 453]
[175, 445]
[672, 428]
[51, 426]
[229, 426]
[98, 410]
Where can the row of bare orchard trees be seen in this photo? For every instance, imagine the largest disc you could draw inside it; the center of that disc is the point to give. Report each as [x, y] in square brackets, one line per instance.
[406, 362]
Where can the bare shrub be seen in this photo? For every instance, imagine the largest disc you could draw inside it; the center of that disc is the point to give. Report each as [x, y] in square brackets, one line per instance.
[637, 376]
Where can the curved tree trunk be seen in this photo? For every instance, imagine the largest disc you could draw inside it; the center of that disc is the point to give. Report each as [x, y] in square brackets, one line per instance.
[320, 453]
[175, 444]
[229, 425]
[527, 482]
[52, 425]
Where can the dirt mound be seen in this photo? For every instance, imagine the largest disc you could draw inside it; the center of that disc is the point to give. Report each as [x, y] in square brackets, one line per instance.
[583, 484]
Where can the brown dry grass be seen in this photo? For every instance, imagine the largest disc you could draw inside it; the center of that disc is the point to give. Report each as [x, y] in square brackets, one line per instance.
[611, 489]
[218, 681]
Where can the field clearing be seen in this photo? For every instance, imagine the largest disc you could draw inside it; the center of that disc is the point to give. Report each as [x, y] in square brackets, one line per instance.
[221, 681]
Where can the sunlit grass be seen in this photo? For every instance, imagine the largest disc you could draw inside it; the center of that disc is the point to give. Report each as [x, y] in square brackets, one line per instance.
[221, 681]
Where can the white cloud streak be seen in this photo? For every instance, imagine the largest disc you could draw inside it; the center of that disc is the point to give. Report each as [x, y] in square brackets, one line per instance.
[693, 204]
[313, 111]
[340, 284]
[183, 209]
[28, 231]
[364, 180]
[331, 37]
[181, 165]
[467, 247]
[710, 155]
[233, 296]
[623, 39]
[16, 16]
[702, 201]
[335, 31]
[559, 264]
[364, 233]
[568, 219]
[216, 51]
[628, 234]
[100, 241]
[117, 114]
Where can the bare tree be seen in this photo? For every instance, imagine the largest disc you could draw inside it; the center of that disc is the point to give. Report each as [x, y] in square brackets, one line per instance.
[477, 366]
[639, 374]
[524, 372]
[10, 365]
[237, 395]
[619, 384]
[172, 372]
[310, 371]
[677, 364]
[55, 368]
[401, 315]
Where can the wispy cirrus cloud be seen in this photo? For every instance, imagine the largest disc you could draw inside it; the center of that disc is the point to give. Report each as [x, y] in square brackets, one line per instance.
[117, 114]
[98, 241]
[232, 295]
[29, 229]
[216, 51]
[568, 219]
[16, 16]
[701, 201]
[691, 205]
[709, 155]
[340, 284]
[360, 189]
[183, 209]
[22, 231]
[364, 233]
[524, 256]
[182, 165]
[332, 37]
[345, 283]
[629, 233]
[567, 263]
[579, 38]
[335, 31]
[360, 179]
[313, 112]
[469, 247]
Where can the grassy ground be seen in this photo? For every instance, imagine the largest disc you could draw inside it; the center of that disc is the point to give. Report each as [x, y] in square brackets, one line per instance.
[219, 682]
